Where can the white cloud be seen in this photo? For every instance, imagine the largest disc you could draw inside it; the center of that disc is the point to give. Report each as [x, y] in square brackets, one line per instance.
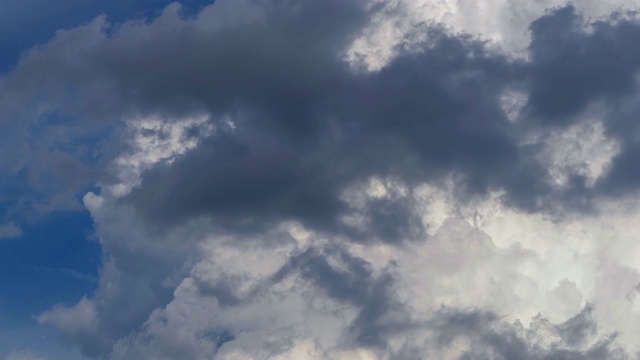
[582, 149]
[154, 140]
[519, 266]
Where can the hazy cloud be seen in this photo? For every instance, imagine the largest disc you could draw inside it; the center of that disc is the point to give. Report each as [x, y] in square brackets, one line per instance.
[9, 231]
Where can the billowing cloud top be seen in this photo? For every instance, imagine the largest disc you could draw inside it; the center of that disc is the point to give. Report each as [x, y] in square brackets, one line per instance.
[346, 179]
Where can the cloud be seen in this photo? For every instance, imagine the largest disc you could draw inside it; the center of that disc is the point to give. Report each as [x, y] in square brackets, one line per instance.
[265, 196]
[502, 23]
[574, 65]
[424, 116]
[514, 285]
[463, 294]
[153, 141]
[9, 230]
[301, 108]
[23, 355]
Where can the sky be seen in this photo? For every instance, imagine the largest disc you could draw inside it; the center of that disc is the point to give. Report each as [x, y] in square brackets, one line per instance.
[319, 179]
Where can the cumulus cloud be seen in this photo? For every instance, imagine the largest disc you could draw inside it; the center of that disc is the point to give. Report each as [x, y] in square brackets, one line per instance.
[350, 179]
[464, 294]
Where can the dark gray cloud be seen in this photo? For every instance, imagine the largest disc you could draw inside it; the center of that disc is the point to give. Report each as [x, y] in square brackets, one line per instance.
[574, 70]
[307, 125]
[573, 66]
[422, 117]
[311, 127]
[314, 126]
[355, 284]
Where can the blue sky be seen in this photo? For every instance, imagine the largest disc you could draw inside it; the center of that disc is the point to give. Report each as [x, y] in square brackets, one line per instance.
[55, 260]
[307, 179]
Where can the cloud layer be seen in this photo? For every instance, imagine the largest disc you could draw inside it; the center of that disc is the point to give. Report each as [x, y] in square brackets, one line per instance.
[349, 179]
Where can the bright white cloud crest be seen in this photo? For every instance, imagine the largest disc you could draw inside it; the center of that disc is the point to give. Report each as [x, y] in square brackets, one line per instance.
[153, 141]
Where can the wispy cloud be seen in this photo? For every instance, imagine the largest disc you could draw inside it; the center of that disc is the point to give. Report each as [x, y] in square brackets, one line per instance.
[9, 231]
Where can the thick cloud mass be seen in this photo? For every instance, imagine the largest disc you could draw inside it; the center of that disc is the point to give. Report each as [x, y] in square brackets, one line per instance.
[309, 127]
[280, 179]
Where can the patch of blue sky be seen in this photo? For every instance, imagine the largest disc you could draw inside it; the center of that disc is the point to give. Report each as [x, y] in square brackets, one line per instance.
[55, 261]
